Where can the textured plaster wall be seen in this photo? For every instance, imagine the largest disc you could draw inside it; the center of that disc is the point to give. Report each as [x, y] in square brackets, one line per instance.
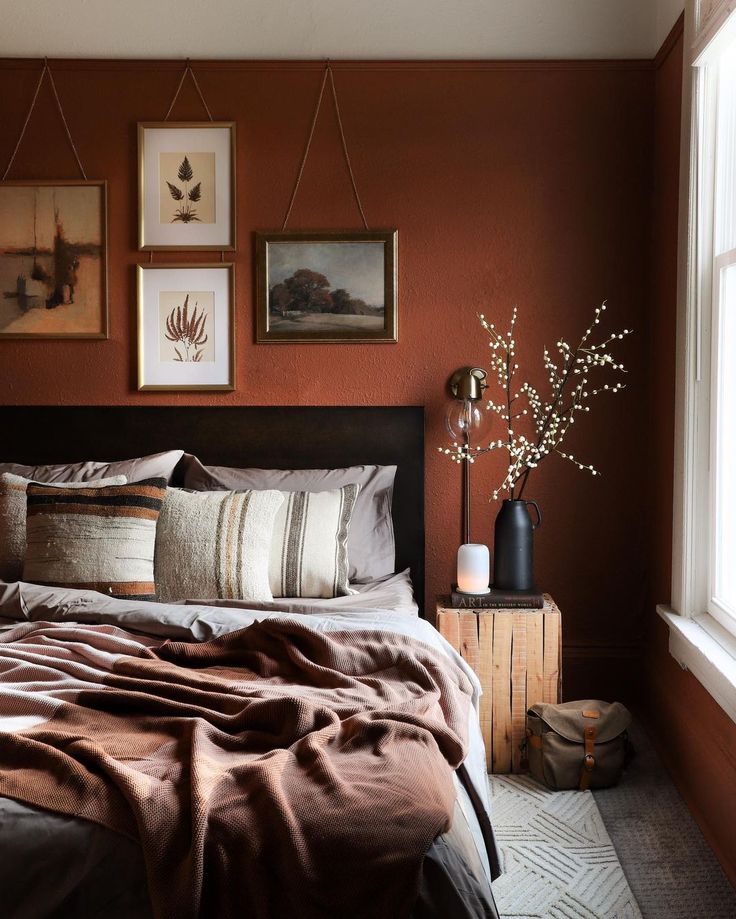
[509, 185]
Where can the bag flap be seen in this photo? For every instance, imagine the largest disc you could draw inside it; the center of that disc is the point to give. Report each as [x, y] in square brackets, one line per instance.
[569, 719]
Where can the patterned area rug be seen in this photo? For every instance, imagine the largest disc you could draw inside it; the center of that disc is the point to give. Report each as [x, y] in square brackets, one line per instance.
[557, 858]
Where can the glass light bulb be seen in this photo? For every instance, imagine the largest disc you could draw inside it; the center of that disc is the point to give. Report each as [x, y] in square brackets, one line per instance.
[466, 419]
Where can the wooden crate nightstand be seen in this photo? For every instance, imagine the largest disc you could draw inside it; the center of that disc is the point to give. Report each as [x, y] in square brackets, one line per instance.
[517, 656]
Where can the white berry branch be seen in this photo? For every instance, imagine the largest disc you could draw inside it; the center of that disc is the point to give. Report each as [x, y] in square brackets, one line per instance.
[549, 420]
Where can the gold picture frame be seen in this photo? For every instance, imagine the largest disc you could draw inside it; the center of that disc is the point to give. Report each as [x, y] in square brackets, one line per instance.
[186, 186]
[186, 327]
[349, 289]
[53, 259]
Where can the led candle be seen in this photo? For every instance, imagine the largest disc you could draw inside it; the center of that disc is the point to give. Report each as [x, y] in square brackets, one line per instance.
[473, 568]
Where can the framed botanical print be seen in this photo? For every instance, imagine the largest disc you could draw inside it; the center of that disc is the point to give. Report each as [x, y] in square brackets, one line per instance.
[326, 286]
[186, 327]
[53, 260]
[186, 177]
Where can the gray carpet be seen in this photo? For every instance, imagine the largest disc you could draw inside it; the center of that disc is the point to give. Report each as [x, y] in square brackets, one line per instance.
[668, 864]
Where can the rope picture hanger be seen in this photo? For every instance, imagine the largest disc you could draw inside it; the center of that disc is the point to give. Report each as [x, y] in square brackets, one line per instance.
[188, 70]
[46, 71]
[327, 75]
[204, 173]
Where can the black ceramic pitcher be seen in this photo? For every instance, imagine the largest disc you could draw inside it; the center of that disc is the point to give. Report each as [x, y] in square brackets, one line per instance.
[513, 565]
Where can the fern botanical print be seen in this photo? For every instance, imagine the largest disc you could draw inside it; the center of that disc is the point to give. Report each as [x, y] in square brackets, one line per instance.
[188, 197]
[187, 188]
[186, 326]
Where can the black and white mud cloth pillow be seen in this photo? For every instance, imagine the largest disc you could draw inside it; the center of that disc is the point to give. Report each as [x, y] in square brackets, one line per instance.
[13, 519]
[94, 538]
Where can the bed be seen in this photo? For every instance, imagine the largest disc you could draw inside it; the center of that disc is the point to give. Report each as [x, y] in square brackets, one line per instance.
[52, 863]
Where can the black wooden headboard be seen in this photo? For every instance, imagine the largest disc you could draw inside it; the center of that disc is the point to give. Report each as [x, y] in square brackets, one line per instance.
[268, 437]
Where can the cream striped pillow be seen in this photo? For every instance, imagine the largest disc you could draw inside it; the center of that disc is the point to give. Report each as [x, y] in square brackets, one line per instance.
[215, 544]
[309, 553]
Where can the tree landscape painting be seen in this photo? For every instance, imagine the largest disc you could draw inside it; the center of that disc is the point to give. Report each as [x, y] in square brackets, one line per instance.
[52, 260]
[327, 287]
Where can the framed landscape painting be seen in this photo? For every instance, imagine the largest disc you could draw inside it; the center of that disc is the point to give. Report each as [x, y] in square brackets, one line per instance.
[186, 176]
[326, 286]
[186, 327]
[53, 272]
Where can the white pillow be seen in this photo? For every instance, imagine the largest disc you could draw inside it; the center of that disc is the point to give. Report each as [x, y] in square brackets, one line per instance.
[309, 552]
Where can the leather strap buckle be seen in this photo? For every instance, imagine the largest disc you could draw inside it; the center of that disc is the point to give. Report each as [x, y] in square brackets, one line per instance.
[588, 758]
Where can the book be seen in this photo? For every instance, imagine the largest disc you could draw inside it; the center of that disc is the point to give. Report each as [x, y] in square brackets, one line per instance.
[497, 599]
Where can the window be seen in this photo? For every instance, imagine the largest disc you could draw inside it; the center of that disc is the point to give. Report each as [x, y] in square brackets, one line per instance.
[702, 619]
[714, 287]
[721, 599]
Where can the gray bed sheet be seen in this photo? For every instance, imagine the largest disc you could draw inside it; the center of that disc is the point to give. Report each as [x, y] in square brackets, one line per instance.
[65, 868]
[56, 866]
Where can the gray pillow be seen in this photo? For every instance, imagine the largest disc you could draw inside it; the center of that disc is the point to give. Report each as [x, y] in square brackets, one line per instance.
[156, 466]
[371, 548]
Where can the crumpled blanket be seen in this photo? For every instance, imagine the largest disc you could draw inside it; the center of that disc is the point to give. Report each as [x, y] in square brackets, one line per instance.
[277, 770]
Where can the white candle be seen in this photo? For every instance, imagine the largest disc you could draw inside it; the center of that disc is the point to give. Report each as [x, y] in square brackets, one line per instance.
[473, 568]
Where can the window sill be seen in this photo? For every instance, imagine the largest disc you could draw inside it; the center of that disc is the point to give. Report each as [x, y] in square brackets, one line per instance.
[702, 646]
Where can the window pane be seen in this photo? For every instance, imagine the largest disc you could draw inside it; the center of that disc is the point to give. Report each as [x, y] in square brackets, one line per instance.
[725, 446]
[725, 192]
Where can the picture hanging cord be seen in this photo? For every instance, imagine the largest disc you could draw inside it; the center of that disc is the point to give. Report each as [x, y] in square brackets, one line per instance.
[46, 70]
[188, 70]
[327, 73]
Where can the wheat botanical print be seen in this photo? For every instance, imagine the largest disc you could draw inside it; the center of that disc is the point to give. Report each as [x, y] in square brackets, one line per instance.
[187, 187]
[187, 326]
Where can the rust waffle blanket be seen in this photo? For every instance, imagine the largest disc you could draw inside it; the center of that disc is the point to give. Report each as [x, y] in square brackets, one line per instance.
[277, 771]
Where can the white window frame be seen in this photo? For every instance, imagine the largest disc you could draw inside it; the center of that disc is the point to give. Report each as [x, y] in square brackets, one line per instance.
[702, 637]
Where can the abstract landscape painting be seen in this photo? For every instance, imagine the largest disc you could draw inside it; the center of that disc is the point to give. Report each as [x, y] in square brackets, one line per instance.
[52, 260]
[327, 286]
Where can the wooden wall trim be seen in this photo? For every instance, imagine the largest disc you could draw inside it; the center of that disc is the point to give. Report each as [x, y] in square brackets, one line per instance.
[588, 650]
[670, 43]
[102, 64]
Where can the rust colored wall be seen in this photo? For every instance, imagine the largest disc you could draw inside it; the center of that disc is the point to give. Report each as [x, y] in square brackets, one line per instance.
[522, 184]
[695, 736]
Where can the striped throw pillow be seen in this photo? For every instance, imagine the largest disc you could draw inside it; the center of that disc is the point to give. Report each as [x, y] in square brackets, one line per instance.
[13, 519]
[94, 538]
[215, 544]
[309, 552]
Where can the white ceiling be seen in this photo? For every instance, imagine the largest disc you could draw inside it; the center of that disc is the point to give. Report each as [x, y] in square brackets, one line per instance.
[340, 29]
